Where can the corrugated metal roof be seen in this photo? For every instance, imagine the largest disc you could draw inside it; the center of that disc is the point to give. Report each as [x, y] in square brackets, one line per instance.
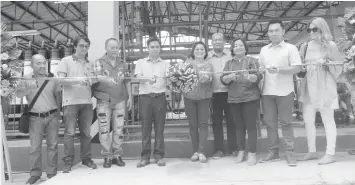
[218, 11]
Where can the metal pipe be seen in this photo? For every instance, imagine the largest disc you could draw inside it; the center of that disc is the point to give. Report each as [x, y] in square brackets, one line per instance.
[164, 56]
[193, 23]
[206, 29]
[137, 21]
[200, 20]
[124, 31]
[47, 21]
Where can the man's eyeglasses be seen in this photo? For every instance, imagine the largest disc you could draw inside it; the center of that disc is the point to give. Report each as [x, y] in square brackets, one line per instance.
[84, 46]
[314, 30]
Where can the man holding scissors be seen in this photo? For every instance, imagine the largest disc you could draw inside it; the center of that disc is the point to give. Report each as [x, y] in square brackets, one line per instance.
[152, 102]
[77, 103]
[281, 61]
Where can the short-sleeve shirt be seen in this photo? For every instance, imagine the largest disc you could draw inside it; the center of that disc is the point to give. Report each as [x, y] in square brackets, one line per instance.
[72, 67]
[280, 55]
[46, 101]
[218, 62]
[107, 92]
[148, 68]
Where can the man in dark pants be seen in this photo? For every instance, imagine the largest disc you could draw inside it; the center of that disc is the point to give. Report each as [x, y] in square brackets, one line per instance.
[151, 72]
[218, 57]
[280, 61]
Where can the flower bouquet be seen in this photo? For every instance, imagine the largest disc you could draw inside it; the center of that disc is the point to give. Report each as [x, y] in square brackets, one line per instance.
[10, 64]
[182, 77]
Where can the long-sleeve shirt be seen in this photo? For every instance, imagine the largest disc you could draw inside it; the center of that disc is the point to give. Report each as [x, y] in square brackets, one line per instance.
[242, 90]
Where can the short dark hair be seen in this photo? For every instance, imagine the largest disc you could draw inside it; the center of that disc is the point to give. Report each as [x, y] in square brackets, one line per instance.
[78, 38]
[245, 46]
[150, 40]
[192, 55]
[108, 40]
[276, 21]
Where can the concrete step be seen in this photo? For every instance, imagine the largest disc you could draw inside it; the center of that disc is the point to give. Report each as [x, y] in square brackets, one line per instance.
[179, 147]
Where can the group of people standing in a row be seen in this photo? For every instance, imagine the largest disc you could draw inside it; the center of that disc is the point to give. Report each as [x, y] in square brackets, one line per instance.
[235, 95]
[270, 80]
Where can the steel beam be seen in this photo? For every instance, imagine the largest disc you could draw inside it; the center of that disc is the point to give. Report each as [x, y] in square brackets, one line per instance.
[247, 11]
[38, 17]
[27, 27]
[194, 23]
[47, 21]
[310, 11]
[240, 16]
[262, 13]
[58, 14]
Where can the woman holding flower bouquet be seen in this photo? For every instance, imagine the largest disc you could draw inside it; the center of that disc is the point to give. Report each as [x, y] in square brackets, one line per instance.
[243, 97]
[197, 101]
[319, 89]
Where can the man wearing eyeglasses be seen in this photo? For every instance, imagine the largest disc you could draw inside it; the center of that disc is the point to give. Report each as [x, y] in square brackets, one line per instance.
[281, 61]
[77, 103]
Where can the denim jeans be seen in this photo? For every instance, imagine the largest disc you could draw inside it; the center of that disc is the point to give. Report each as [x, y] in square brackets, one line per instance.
[107, 114]
[39, 127]
[152, 109]
[279, 109]
[220, 105]
[83, 114]
[197, 112]
[244, 117]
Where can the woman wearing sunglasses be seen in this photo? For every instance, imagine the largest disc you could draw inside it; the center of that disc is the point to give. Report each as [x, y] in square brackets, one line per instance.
[319, 90]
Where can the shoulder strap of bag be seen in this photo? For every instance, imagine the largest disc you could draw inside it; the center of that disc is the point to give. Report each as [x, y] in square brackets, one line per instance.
[305, 50]
[37, 95]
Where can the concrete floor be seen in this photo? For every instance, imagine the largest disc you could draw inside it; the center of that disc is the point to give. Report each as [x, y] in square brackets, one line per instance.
[216, 172]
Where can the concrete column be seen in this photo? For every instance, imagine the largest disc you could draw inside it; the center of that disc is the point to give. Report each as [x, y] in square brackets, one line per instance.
[102, 24]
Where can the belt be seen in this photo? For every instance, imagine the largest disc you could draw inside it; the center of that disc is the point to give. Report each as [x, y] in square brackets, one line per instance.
[43, 114]
[152, 95]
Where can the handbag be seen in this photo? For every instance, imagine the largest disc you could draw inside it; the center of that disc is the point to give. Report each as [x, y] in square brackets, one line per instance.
[24, 122]
[303, 74]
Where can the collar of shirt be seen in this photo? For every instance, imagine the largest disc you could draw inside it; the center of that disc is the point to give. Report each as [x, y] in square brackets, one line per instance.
[150, 60]
[239, 59]
[76, 59]
[281, 44]
[213, 53]
[107, 60]
[47, 75]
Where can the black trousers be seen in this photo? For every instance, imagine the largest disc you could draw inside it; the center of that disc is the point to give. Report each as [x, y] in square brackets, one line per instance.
[244, 117]
[220, 106]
